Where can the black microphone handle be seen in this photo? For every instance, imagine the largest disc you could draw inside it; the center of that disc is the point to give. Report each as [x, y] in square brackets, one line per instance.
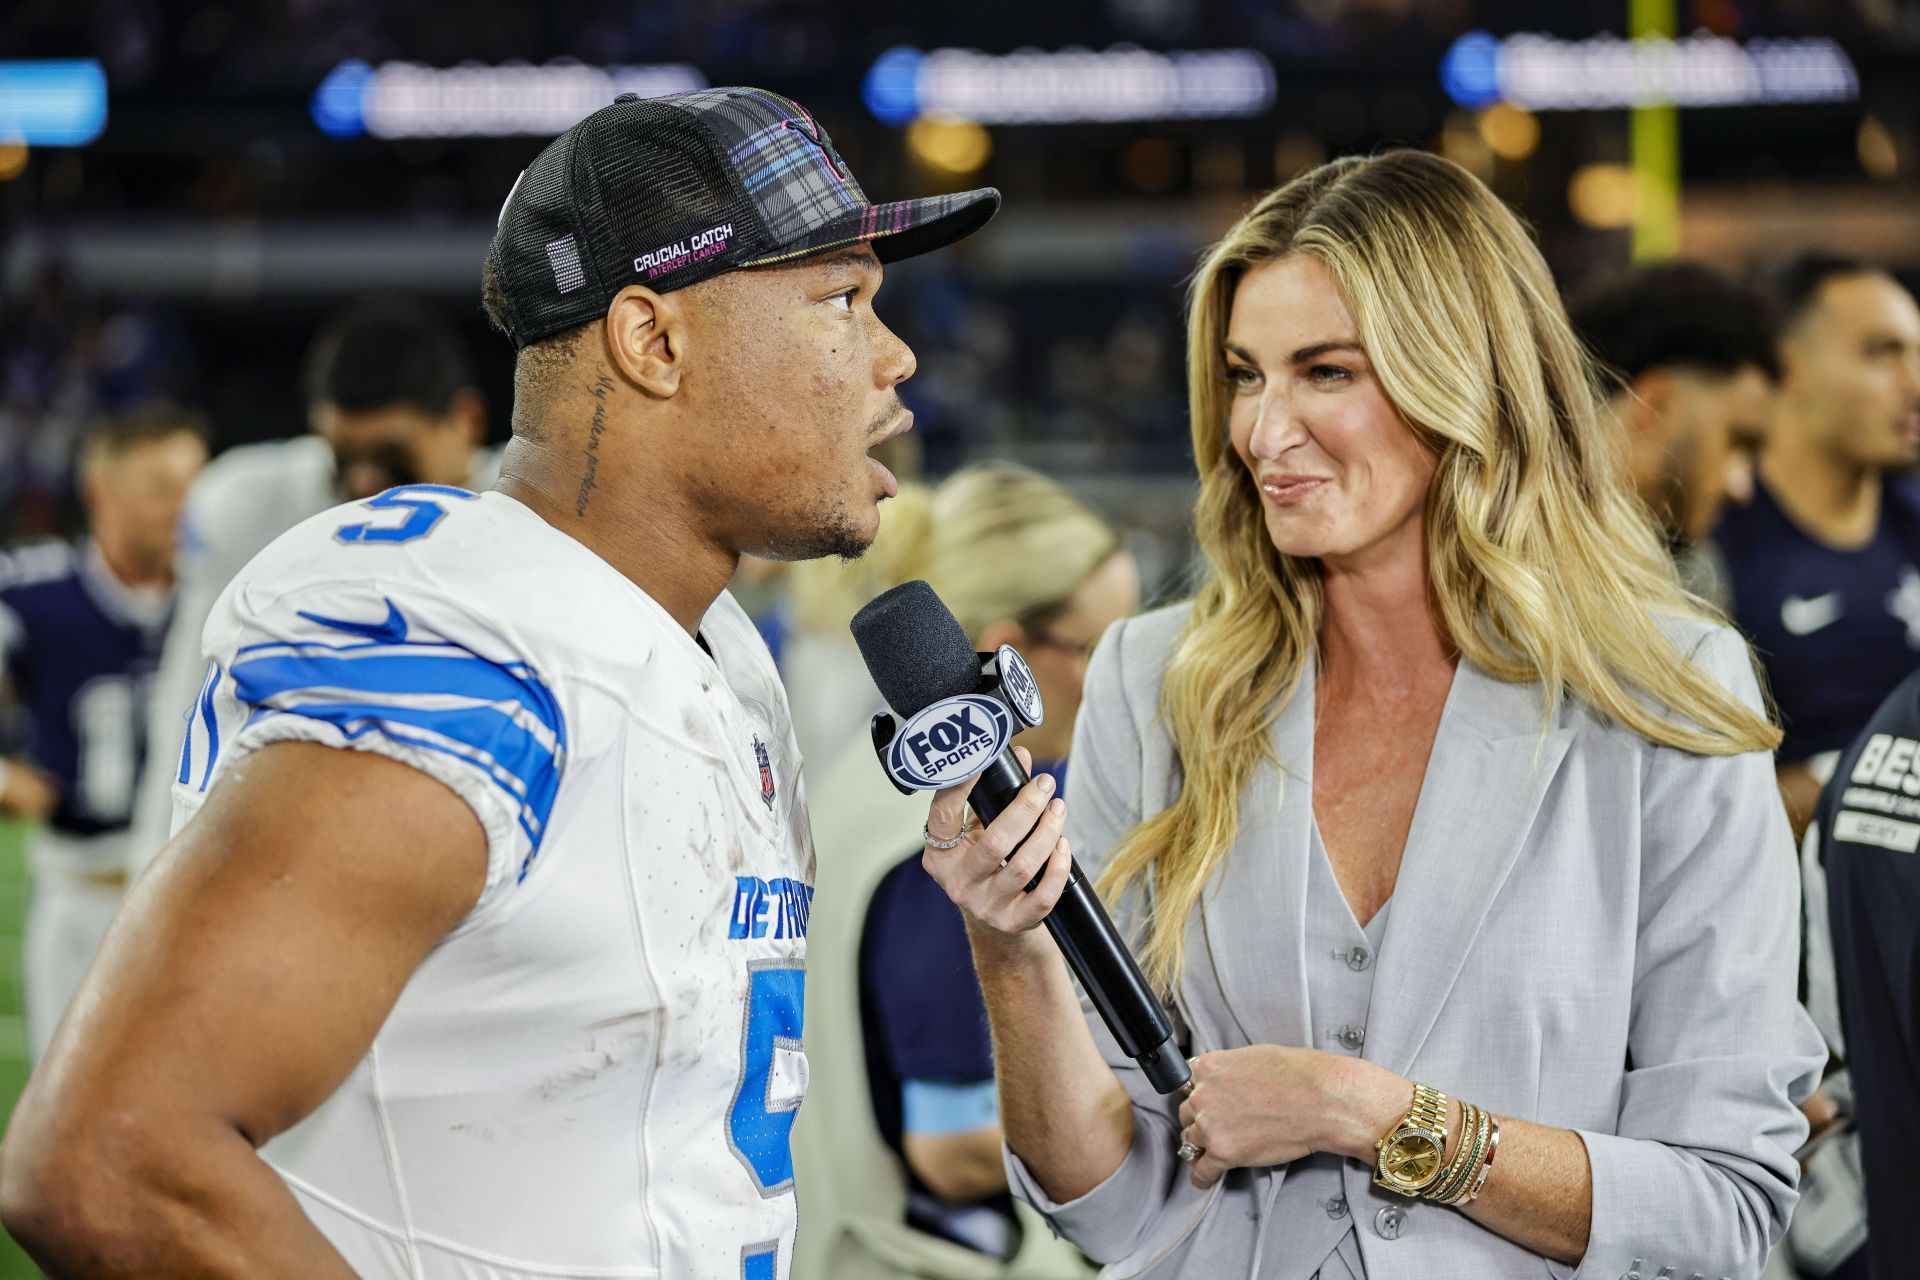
[1094, 951]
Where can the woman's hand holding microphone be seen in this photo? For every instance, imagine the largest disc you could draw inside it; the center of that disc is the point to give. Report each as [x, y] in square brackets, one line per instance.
[987, 872]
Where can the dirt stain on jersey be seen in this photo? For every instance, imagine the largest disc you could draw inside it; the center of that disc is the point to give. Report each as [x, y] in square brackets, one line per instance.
[696, 728]
[623, 1035]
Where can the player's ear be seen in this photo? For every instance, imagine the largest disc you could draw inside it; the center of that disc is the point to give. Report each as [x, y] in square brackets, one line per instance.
[647, 339]
[1650, 399]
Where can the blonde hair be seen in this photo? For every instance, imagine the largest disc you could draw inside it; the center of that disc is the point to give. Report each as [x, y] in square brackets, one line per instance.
[1542, 565]
[996, 541]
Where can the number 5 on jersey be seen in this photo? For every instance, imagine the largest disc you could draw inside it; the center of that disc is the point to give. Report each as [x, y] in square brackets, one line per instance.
[423, 513]
[773, 1075]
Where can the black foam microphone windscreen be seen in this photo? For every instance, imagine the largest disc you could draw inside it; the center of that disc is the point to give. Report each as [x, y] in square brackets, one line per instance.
[915, 649]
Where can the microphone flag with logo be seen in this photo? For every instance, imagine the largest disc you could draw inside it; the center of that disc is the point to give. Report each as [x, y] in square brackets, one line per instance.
[959, 711]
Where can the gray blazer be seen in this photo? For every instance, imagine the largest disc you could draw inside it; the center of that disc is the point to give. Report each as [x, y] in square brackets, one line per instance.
[1588, 931]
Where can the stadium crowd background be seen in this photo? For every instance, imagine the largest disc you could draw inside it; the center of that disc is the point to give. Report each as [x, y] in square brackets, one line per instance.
[240, 188]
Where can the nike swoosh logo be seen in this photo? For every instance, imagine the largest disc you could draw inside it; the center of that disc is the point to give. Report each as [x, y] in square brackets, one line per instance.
[1803, 617]
[393, 630]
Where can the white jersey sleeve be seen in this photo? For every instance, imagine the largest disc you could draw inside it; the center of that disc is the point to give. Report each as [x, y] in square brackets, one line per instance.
[246, 498]
[403, 667]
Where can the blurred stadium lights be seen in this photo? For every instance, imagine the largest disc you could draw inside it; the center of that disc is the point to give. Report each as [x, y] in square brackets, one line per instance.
[950, 145]
[1879, 155]
[408, 100]
[1604, 196]
[1512, 132]
[52, 102]
[1072, 86]
[1542, 73]
[1462, 143]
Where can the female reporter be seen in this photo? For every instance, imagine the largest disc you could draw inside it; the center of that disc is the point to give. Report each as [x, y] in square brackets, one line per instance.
[1442, 815]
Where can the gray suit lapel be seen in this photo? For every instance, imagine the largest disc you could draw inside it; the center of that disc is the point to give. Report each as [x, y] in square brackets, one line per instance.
[1253, 912]
[1486, 778]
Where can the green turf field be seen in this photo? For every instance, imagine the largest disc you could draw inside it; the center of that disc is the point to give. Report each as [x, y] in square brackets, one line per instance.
[13, 1028]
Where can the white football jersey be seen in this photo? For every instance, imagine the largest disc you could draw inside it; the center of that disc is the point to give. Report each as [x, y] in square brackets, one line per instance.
[596, 1072]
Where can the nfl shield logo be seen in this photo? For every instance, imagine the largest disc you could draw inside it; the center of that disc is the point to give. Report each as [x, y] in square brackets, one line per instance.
[766, 770]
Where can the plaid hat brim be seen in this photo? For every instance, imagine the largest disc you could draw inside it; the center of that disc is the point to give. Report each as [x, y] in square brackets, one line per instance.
[902, 229]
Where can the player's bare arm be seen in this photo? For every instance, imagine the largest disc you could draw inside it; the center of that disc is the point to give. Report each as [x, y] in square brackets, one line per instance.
[248, 974]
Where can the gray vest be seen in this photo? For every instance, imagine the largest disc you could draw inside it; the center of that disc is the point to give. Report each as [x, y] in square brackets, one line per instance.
[1310, 1212]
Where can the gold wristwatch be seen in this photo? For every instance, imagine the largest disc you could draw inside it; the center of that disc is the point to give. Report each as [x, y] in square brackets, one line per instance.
[1411, 1157]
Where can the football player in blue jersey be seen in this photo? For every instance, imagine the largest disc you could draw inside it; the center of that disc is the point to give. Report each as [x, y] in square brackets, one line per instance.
[480, 950]
[80, 632]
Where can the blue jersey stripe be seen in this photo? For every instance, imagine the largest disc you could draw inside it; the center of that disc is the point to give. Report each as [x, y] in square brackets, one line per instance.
[534, 824]
[201, 703]
[442, 672]
[212, 722]
[525, 765]
[498, 731]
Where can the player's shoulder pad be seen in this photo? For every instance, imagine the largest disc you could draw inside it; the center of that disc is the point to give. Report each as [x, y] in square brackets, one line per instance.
[364, 551]
[394, 664]
[477, 569]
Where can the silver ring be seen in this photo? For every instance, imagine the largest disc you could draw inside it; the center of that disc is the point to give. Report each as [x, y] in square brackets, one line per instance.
[1188, 1153]
[947, 844]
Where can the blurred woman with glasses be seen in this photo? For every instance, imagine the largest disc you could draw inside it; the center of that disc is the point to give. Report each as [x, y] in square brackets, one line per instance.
[896, 1034]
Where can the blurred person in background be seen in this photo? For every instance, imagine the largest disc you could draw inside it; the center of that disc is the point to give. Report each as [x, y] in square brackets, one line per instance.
[391, 399]
[1444, 816]
[80, 631]
[1864, 837]
[1688, 361]
[897, 1030]
[1824, 559]
[67, 360]
[1691, 364]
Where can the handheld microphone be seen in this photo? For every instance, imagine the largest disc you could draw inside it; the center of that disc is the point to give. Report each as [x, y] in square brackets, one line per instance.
[960, 709]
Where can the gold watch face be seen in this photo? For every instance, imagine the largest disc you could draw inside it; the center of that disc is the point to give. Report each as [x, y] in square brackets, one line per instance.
[1410, 1159]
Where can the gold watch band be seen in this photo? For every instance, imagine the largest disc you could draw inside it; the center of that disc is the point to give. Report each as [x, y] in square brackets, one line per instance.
[1429, 1110]
[1411, 1156]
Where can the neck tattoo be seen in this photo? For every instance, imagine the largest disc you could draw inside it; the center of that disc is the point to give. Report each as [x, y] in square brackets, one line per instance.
[602, 384]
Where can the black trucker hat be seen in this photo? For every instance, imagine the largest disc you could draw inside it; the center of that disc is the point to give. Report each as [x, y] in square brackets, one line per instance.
[666, 192]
